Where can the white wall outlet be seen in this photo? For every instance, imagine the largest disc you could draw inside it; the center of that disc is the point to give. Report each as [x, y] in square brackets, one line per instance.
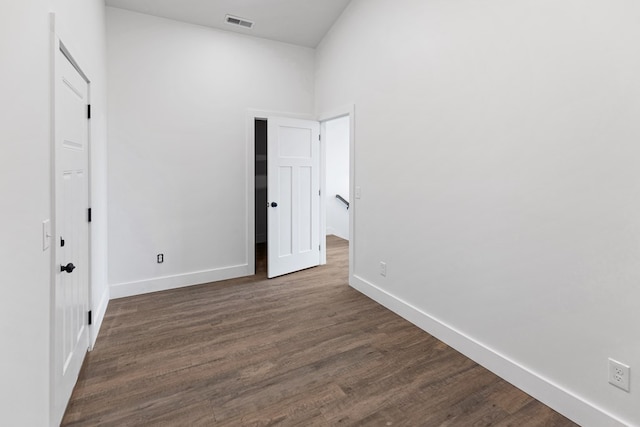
[383, 269]
[619, 374]
[358, 192]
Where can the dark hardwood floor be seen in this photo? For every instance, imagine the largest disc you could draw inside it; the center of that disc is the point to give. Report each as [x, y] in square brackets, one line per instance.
[304, 349]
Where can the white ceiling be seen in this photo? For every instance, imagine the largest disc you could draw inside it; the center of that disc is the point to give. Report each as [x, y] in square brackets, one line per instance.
[301, 22]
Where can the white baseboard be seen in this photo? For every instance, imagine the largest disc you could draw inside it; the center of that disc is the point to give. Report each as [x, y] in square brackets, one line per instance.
[97, 316]
[552, 395]
[121, 290]
[333, 232]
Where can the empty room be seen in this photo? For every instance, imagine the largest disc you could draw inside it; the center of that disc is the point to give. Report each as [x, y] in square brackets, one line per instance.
[320, 212]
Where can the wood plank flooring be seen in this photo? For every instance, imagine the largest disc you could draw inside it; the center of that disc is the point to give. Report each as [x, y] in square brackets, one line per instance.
[304, 349]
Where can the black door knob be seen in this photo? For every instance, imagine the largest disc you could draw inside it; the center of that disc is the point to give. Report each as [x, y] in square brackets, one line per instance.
[274, 205]
[68, 268]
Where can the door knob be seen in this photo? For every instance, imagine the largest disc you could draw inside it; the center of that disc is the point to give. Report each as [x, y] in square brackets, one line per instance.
[274, 205]
[68, 268]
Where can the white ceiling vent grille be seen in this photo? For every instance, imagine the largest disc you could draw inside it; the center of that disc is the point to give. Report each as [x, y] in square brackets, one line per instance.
[234, 20]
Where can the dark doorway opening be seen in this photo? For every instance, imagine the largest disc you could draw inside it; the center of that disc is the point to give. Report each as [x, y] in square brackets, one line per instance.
[261, 195]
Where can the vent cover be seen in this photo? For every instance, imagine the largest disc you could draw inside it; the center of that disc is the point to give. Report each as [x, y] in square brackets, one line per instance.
[234, 20]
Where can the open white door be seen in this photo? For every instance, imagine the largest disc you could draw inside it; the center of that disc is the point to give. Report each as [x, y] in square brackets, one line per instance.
[293, 194]
[71, 337]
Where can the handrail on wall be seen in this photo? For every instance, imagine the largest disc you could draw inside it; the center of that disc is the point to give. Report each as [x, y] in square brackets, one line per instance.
[343, 200]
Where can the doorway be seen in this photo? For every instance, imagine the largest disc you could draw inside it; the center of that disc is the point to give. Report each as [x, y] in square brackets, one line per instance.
[337, 195]
[292, 201]
[260, 197]
[258, 137]
[338, 175]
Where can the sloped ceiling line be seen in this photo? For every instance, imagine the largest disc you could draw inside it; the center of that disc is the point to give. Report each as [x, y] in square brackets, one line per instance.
[299, 22]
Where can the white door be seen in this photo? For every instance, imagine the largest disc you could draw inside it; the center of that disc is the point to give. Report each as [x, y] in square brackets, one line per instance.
[71, 338]
[293, 195]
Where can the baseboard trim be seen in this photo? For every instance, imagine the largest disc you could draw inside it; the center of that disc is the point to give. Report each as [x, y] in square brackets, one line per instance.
[98, 316]
[334, 232]
[156, 284]
[565, 402]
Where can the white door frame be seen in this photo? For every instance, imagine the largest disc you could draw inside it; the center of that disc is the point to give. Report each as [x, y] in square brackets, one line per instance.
[252, 116]
[58, 46]
[344, 111]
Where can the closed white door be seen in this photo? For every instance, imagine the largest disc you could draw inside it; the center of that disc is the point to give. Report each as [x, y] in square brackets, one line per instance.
[293, 195]
[71, 338]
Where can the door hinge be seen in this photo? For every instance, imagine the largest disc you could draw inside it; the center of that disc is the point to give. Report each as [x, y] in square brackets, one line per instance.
[319, 137]
[319, 192]
[88, 111]
[89, 317]
[89, 215]
[61, 242]
[319, 248]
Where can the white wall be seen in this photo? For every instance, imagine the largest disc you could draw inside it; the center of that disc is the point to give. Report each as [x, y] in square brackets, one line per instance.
[337, 173]
[497, 152]
[25, 190]
[179, 96]
[24, 204]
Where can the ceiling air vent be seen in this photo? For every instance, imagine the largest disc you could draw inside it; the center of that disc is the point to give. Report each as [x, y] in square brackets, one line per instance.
[234, 20]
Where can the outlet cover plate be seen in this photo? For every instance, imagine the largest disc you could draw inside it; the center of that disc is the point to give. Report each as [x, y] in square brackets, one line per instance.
[619, 374]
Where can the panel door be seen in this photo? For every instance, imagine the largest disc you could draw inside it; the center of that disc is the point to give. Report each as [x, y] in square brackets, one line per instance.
[293, 193]
[71, 293]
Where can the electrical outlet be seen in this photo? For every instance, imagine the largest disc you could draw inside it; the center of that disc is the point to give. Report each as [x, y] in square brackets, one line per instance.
[160, 258]
[619, 374]
[383, 269]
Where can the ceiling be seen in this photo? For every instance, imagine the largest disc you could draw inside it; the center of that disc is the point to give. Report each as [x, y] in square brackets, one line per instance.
[301, 22]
